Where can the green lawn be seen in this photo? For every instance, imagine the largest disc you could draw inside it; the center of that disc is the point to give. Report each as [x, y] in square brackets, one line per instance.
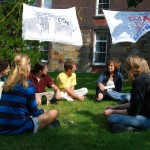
[83, 126]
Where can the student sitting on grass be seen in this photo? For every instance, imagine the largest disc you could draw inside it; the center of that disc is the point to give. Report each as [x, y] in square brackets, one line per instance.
[41, 80]
[134, 115]
[109, 84]
[66, 82]
[4, 70]
[18, 110]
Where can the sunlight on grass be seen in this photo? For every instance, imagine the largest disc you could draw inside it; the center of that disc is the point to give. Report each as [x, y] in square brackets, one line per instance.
[83, 126]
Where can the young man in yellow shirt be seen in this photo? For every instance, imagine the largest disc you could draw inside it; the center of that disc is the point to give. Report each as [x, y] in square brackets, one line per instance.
[66, 82]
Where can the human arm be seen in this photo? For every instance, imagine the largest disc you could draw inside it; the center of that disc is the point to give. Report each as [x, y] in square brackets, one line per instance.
[109, 112]
[121, 106]
[67, 84]
[138, 93]
[71, 93]
[31, 102]
[118, 80]
[32, 106]
[101, 86]
[119, 109]
[57, 91]
[100, 82]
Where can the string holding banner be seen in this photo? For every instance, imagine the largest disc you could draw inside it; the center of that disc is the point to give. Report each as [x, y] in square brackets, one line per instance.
[9, 13]
[127, 26]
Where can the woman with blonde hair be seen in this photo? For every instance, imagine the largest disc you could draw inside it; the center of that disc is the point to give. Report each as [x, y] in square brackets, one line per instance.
[134, 115]
[18, 110]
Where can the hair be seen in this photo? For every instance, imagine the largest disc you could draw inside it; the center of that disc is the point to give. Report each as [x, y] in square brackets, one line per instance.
[39, 66]
[116, 64]
[19, 73]
[69, 64]
[4, 64]
[135, 66]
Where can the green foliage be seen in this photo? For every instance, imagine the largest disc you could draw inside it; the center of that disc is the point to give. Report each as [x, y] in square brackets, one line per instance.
[11, 41]
[134, 3]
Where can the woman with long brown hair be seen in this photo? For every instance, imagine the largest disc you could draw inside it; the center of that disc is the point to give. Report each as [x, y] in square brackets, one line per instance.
[109, 84]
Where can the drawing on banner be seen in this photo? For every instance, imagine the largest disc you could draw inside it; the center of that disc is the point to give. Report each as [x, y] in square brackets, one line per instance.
[46, 24]
[127, 26]
[51, 25]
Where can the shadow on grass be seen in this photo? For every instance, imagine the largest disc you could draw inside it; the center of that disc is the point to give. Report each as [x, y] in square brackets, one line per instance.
[98, 119]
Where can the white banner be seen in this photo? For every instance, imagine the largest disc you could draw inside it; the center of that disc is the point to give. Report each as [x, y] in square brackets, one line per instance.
[127, 26]
[56, 25]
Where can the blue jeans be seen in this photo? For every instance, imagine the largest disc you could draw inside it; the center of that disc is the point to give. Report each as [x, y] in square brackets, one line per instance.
[120, 97]
[139, 122]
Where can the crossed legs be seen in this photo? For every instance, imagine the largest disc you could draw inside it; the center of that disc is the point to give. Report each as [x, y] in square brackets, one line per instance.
[48, 117]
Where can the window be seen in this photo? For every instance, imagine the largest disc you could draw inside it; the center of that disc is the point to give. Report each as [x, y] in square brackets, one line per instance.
[44, 50]
[42, 3]
[46, 4]
[35, 3]
[100, 47]
[102, 4]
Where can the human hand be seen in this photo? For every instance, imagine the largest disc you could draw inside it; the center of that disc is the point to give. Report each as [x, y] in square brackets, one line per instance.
[111, 107]
[82, 98]
[102, 87]
[38, 100]
[58, 95]
[108, 112]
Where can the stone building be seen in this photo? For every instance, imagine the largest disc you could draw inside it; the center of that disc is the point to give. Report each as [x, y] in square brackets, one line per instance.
[97, 47]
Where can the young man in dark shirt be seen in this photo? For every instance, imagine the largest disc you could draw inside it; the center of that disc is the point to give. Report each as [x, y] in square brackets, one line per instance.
[41, 80]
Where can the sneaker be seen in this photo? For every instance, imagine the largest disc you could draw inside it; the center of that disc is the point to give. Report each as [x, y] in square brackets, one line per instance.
[54, 124]
[116, 128]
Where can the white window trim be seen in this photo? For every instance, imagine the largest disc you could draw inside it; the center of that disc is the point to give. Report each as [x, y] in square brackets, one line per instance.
[94, 49]
[97, 8]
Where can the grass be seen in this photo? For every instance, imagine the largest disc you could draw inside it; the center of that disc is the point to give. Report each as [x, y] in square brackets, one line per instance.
[83, 126]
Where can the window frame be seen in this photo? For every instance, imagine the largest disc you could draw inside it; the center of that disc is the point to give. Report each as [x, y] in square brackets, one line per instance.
[46, 6]
[35, 3]
[97, 8]
[102, 41]
[44, 49]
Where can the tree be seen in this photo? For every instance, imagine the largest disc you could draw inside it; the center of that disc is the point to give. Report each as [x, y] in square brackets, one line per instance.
[134, 3]
[11, 41]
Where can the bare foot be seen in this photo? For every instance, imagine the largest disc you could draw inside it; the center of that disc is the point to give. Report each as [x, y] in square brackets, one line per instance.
[100, 97]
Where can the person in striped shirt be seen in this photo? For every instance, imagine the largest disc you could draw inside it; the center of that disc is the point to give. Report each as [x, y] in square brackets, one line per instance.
[18, 109]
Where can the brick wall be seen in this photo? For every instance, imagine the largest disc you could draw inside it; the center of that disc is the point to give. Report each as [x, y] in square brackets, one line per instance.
[121, 51]
[85, 9]
[58, 52]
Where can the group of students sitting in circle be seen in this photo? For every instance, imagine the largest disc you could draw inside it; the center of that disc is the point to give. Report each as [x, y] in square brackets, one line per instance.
[24, 88]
